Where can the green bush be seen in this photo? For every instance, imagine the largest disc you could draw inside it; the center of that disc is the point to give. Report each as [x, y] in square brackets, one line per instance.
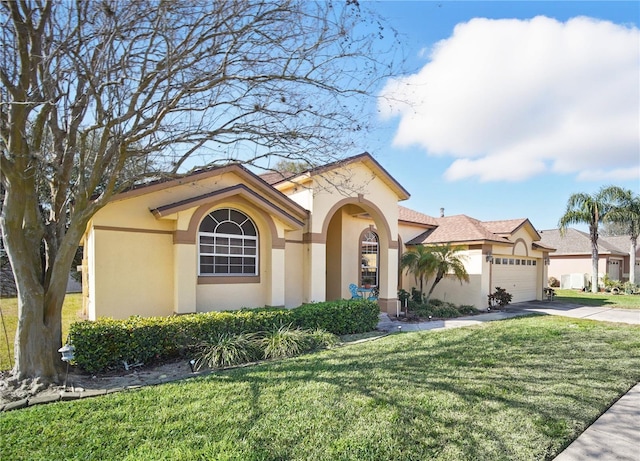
[107, 343]
[341, 317]
[284, 341]
[446, 311]
[440, 309]
[226, 350]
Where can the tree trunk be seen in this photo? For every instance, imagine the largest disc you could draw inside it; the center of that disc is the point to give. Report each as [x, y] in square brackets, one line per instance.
[594, 258]
[37, 359]
[632, 260]
[40, 294]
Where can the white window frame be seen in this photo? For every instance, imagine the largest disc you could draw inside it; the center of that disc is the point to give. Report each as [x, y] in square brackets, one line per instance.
[242, 248]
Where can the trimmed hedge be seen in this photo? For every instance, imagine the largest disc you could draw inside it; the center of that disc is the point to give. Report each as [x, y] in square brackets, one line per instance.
[106, 343]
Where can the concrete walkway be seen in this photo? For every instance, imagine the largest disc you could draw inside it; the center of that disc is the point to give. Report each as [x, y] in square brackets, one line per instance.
[616, 434]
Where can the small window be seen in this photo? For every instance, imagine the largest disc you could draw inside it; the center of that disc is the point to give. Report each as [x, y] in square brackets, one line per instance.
[511, 261]
[505, 261]
[528, 262]
[497, 260]
[517, 262]
[533, 263]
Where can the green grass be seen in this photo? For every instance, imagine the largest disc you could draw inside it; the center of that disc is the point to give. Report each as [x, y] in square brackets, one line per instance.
[520, 389]
[621, 301]
[71, 311]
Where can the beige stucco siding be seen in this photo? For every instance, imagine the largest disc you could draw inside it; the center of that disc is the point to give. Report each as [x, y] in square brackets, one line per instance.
[294, 271]
[133, 274]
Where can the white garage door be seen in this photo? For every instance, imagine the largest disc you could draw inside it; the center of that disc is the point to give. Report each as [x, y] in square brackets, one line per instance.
[519, 276]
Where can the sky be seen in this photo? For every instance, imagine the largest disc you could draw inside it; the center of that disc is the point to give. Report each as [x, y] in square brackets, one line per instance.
[507, 108]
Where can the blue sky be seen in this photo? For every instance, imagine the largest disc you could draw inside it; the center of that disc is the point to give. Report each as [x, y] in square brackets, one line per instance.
[505, 117]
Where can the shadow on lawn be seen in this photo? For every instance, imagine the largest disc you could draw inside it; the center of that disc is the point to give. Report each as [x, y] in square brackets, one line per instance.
[480, 396]
[585, 301]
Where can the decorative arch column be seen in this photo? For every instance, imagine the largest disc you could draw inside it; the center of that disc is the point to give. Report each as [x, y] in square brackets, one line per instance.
[316, 252]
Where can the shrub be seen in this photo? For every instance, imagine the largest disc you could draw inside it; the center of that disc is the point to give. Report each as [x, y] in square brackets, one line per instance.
[227, 349]
[284, 341]
[446, 311]
[321, 339]
[554, 282]
[106, 343]
[416, 295]
[630, 288]
[342, 317]
[500, 296]
[467, 310]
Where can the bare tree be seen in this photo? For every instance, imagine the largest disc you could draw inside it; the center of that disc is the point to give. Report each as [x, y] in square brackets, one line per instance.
[90, 88]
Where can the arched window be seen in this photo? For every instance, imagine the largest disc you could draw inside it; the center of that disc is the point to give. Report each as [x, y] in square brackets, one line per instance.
[369, 259]
[227, 244]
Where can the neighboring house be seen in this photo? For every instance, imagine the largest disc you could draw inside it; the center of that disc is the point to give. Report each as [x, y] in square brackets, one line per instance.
[225, 238]
[506, 254]
[572, 258]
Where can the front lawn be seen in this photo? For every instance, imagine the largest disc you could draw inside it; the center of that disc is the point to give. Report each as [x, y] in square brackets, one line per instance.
[619, 301]
[520, 389]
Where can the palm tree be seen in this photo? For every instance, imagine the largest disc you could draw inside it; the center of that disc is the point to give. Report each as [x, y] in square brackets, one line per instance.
[627, 214]
[438, 260]
[447, 260]
[588, 209]
[418, 261]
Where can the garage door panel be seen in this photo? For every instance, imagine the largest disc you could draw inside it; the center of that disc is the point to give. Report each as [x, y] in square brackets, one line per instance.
[519, 280]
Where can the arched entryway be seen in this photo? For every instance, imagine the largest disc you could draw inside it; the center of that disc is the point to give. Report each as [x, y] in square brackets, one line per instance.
[357, 248]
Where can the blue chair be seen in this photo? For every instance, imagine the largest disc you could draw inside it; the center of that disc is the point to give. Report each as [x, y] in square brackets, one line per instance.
[353, 288]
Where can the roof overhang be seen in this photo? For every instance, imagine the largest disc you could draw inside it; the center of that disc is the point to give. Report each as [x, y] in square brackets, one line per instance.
[294, 218]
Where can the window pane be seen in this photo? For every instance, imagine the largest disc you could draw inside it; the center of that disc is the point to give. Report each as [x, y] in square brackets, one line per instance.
[206, 269]
[207, 225]
[220, 215]
[235, 242]
[206, 259]
[249, 228]
[237, 217]
[206, 248]
[236, 270]
[223, 250]
[250, 251]
[228, 228]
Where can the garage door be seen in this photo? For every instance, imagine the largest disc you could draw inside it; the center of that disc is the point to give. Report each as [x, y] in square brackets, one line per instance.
[519, 276]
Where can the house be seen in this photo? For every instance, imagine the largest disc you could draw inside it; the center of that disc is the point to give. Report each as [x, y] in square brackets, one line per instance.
[225, 238]
[506, 254]
[571, 262]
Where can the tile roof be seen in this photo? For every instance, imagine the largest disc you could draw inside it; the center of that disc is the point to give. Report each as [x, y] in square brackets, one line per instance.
[507, 226]
[415, 217]
[575, 242]
[457, 229]
[275, 177]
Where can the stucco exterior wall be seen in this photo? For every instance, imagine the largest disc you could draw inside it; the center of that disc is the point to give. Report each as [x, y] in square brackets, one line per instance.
[133, 274]
[294, 271]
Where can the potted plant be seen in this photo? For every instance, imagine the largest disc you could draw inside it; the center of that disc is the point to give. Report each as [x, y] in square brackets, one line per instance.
[367, 281]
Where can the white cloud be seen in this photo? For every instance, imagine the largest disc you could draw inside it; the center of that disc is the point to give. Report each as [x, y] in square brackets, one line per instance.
[515, 98]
